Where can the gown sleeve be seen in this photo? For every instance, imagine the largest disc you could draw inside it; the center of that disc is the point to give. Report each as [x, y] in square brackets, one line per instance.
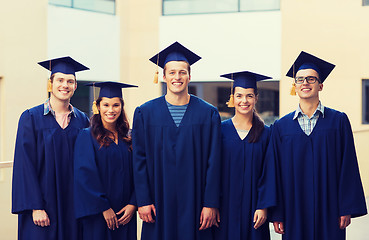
[89, 195]
[26, 191]
[276, 213]
[351, 194]
[267, 192]
[140, 173]
[212, 192]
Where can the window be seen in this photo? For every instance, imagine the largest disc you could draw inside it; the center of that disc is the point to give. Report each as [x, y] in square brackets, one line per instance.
[365, 2]
[83, 97]
[365, 101]
[103, 6]
[176, 7]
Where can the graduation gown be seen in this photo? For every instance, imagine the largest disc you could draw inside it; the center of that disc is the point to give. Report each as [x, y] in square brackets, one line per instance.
[318, 175]
[248, 184]
[103, 179]
[176, 168]
[43, 174]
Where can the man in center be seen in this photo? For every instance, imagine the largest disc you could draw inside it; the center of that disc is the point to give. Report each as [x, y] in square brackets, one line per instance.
[176, 156]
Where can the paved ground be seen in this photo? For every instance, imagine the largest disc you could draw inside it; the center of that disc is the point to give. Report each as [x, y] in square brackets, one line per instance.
[357, 230]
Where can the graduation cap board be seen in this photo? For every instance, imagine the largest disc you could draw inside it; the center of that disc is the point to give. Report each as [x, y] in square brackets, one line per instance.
[243, 79]
[109, 90]
[66, 65]
[174, 52]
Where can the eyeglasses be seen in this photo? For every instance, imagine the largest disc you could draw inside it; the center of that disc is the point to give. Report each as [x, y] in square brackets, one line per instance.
[309, 79]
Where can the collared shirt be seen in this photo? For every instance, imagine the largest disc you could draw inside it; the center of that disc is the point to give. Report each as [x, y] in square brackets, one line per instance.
[307, 124]
[48, 110]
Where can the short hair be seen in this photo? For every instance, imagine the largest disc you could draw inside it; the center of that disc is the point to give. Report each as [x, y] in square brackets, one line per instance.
[188, 68]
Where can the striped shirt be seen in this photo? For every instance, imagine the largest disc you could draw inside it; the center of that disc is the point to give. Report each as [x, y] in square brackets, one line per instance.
[177, 112]
[307, 124]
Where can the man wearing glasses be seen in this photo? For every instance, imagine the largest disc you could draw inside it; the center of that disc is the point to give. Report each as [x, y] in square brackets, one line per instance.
[318, 175]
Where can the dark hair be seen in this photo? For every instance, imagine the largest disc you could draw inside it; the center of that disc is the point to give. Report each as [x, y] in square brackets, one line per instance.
[188, 68]
[103, 135]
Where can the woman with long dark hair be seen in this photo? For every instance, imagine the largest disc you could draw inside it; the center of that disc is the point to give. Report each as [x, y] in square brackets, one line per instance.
[105, 201]
[248, 186]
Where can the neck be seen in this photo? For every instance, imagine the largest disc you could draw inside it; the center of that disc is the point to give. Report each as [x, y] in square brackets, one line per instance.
[177, 99]
[242, 121]
[111, 127]
[58, 105]
[308, 106]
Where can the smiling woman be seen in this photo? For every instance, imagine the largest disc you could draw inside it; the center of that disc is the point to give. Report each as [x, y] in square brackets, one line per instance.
[104, 196]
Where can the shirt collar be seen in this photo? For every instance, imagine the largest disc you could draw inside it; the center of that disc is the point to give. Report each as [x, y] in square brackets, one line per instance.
[48, 109]
[319, 109]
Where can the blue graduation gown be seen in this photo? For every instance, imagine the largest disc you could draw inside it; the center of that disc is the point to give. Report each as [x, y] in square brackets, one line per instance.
[318, 175]
[103, 179]
[248, 184]
[176, 168]
[43, 174]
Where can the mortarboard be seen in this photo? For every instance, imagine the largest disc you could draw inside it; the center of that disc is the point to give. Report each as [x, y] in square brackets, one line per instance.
[174, 52]
[243, 79]
[109, 90]
[308, 61]
[66, 65]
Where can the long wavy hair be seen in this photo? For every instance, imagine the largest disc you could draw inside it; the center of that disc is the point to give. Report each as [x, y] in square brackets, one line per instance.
[257, 124]
[103, 135]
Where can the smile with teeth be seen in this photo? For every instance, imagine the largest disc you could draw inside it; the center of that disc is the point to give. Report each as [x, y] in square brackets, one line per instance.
[110, 116]
[177, 83]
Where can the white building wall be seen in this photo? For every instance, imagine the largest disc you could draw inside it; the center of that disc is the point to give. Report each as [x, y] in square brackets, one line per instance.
[227, 42]
[89, 37]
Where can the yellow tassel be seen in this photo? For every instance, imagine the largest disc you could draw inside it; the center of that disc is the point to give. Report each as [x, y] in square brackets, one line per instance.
[94, 108]
[293, 89]
[230, 102]
[49, 86]
[156, 77]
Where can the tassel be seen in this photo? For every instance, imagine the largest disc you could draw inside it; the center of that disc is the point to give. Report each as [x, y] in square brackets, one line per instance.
[156, 77]
[230, 102]
[94, 108]
[49, 86]
[293, 89]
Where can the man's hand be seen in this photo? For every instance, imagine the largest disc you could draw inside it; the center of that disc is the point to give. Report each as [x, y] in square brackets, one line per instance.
[40, 218]
[209, 217]
[344, 221]
[260, 217]
[145, 213]
[278, 227]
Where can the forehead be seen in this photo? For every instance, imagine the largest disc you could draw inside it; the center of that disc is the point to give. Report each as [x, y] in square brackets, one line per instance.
[176, 65]
[60, 75]
[307, 72]
[110, 100]
[241, 90]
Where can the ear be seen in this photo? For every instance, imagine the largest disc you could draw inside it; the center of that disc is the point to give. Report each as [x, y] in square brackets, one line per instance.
[320, 86]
